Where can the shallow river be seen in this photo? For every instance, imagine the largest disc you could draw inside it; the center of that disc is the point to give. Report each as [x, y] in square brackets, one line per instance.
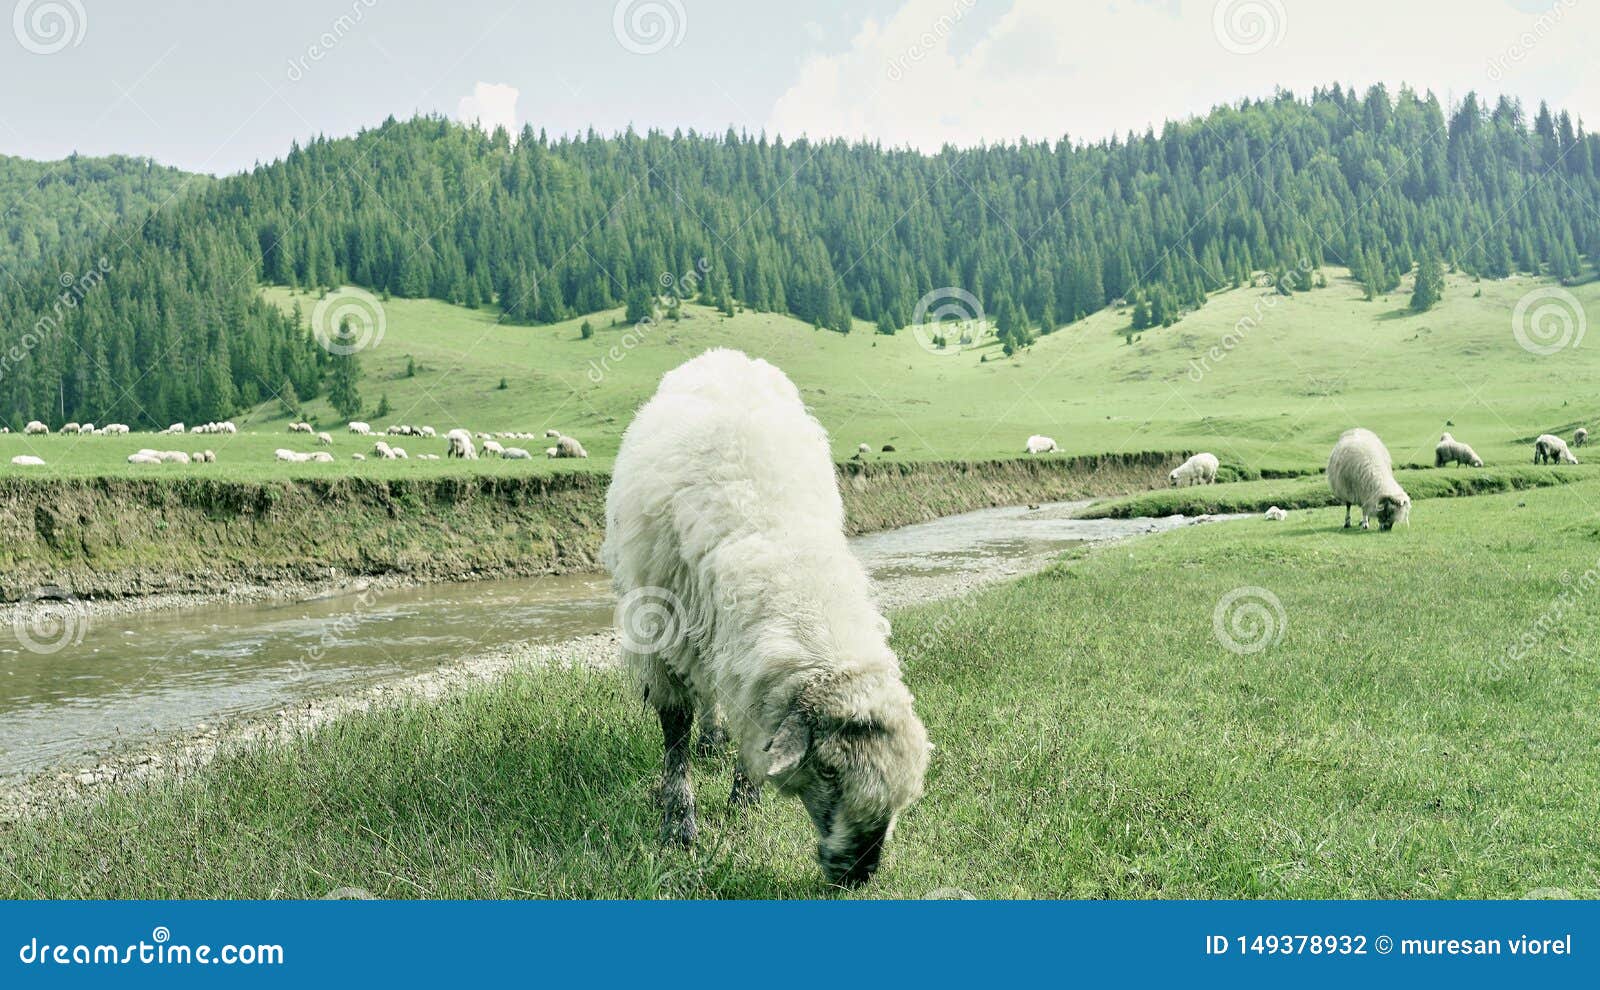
[131, 676]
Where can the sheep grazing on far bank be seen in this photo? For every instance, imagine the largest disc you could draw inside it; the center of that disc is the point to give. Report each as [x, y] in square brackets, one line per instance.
[458, 443]
[1580, 436]
[35, 428]
[1040, 445]
[143, 458]
[174, 457]
[300, 428]
[360, 429]
[1201, 469]
[1276, 514]
[69, 428]
[27, 460]
[291, 456]
[566, 447]
[324, 439]
[399, 453]
[87, 429]
[174, 429]
[1452, 451]
[492, 448]
[1360, 472]
[383, 450]
[516, 454]
[863, 449]
[358, 457]
[1551, 449]
[552, 434]
[722, 477]
[120, 429]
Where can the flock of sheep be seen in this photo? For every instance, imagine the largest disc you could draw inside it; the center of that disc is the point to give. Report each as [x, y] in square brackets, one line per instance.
[458, 444]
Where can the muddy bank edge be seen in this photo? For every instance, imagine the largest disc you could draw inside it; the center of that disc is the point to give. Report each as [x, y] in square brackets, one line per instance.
[118, 538]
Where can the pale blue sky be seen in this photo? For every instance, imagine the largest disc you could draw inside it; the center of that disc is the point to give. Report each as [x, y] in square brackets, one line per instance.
[217, 87]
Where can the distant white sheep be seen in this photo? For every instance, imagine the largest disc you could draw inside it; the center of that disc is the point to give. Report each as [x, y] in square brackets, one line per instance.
[361, 429]
[426, 431]
[1201, 469]
[324, 439]
[1360, 472]
[517, 454]
[1041, 445]
[69, 428]
[383, 450]
[35, 428]
[1276, 514]
[27, 460]
[566, 447]
[358, 457]
[300, 428]
[492, 448]
[143, 458]
[863, 449]
[1551, 449]
[119, 429]
[174, 457]
[549, 434]
[1580, 436]
[1449, 450]
[400, 453]
[173, 429]
[86, 429]
[458, 443]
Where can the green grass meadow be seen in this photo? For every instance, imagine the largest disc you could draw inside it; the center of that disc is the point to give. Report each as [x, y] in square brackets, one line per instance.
[1404, 715]
[1264, 381]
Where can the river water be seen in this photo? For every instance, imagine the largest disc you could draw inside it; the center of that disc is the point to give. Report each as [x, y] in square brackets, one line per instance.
[133, 676]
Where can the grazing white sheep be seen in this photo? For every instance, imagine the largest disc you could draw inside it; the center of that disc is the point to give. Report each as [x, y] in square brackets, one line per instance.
[458, 443]
[1551, 449]
[863, 449]
[1360, 472]
[399, 453]
[173, 429]
[361, 429]
[492, 448]
[86, 429]
[1040, 445]
[321, 457]
[121, 429]
[69, 428]
[516, 454]
[1580, 436]
[358, 457]
[1449, 450]
[324, 439]
[1276, 514]
[35, 428]
[5, 429]
[143, 458]
[566, 447]
[551, 434]
[174, 457]
[426, 431]
[1201, 469]
[284, 454]
[27, 460]
[737, 590]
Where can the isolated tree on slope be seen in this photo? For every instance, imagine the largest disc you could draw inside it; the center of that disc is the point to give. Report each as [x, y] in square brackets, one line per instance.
[1430, 284]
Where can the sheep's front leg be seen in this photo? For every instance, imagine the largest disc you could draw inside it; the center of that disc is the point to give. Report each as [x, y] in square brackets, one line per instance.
[677, 796]
[713, 734]
[1347, 515]
[746, 792]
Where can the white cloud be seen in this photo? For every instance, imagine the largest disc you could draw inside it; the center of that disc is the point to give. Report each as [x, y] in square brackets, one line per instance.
[490, 105]
[1045, 68]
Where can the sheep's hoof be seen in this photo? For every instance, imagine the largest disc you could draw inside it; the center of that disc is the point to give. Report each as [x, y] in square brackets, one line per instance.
[678, 831]
[711, 741]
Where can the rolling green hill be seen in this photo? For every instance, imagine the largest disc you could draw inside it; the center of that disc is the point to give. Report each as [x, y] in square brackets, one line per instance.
[1311, 365]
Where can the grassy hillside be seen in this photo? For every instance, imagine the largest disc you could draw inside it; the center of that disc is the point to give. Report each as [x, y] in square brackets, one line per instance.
[1313, 365]
[1412, 717]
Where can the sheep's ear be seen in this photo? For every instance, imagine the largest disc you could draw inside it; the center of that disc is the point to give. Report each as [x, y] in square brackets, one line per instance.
[789, 744]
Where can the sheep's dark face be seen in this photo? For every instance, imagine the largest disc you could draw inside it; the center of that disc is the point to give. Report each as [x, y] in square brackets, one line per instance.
[854, 776]
[1393, 509]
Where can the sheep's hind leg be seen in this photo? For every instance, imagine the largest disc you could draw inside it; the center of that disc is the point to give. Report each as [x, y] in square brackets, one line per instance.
[746, 792]
[677, 796]
[1347, 515]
